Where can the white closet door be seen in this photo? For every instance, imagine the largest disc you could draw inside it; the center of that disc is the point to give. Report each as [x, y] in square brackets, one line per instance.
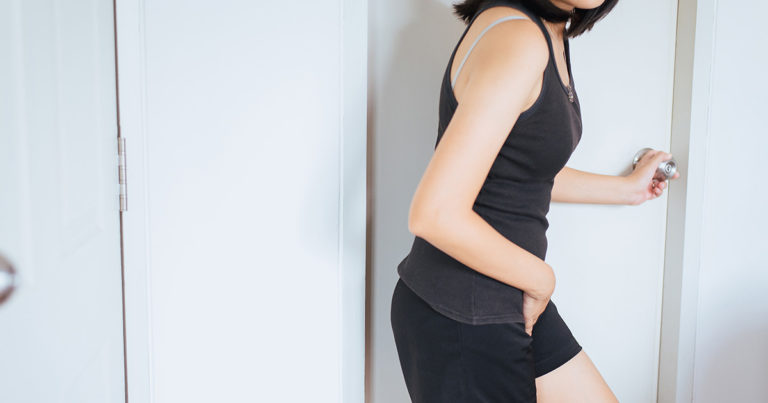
[245, 239]
[62, 334]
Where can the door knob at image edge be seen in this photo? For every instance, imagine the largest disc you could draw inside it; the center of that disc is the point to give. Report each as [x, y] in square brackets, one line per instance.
[666, 168]
[7, 279]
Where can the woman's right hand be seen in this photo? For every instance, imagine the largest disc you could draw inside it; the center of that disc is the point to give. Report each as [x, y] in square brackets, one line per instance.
[532, 308]
[536, 298]
[644, 182]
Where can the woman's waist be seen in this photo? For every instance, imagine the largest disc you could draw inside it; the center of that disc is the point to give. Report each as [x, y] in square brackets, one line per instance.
[513, 201]
[516, 223]
[528, 234]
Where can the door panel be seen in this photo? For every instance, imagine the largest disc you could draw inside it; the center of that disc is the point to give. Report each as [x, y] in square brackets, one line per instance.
[609, 259]
[59, 221]
[245, 128]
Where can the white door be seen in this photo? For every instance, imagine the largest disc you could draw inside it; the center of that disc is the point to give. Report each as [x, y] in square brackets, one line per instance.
[61, 337]
[245, 235]
[609, 259]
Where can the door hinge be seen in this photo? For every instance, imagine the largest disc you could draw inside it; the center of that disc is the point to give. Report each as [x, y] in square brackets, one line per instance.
[121, 173]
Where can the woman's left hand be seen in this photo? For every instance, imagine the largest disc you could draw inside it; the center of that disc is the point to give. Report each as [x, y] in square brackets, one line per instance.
[644, 182]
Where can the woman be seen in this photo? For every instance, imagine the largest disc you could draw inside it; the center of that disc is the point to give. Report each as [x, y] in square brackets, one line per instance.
[471, 312]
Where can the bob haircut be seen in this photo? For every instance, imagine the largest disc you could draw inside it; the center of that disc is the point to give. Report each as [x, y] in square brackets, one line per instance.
[581, 20]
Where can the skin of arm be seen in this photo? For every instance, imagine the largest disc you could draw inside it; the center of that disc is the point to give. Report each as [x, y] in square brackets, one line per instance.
[503, 70]
[576, 186]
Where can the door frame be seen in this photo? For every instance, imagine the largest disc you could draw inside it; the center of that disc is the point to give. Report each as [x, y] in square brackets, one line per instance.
[131, 57]
[690, 134]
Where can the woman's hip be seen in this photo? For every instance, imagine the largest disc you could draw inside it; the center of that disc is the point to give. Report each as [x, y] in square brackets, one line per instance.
[444, 360]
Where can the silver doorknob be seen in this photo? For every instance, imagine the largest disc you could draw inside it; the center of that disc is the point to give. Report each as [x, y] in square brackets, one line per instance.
[7, 279]
[666, 169]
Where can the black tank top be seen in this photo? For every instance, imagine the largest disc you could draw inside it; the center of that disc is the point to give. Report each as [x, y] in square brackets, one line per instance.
[514, 198]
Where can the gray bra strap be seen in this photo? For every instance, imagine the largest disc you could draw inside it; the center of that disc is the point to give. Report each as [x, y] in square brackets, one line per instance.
[509, 17]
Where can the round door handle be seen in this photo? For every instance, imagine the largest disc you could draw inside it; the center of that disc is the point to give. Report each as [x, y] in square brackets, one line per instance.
[666, 169]
[7, 279]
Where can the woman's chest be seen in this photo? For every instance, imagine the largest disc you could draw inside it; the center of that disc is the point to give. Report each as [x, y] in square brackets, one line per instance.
[540, 145]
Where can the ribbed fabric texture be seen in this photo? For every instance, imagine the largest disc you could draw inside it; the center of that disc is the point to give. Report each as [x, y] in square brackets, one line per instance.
[514, 198]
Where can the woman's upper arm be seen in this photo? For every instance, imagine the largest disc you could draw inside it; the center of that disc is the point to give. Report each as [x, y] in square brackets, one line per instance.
[508, 63]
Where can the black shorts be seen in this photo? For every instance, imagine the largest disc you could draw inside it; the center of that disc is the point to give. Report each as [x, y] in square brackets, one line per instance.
[446, 361]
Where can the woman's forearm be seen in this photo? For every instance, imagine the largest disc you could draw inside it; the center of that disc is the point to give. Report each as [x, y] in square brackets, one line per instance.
[575, 186]
[468, 238]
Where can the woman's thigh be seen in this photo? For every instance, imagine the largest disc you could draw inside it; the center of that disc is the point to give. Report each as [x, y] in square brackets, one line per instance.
[553, 342]
[576, 381]
[564, 372]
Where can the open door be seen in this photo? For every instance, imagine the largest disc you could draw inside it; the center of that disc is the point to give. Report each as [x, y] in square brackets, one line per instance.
[62, 325]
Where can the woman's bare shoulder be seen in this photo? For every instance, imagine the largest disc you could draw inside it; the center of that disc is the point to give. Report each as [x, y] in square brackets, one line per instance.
[508, 45]
[521, 29]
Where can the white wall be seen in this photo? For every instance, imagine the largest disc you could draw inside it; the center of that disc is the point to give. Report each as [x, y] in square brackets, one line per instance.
[731, 352]
[408, 44]
[245, 124]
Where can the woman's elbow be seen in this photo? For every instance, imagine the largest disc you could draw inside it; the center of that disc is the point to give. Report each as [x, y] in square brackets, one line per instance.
[420, 217]
[429, 220]
[416, 222]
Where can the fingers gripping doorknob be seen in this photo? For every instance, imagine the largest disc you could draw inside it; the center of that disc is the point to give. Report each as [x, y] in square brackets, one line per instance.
[665, 170]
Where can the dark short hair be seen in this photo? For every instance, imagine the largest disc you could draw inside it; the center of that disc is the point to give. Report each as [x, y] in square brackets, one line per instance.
[581, 20]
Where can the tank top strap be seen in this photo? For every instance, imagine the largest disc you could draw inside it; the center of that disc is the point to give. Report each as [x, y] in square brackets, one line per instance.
[517, 5]
[498, 21]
